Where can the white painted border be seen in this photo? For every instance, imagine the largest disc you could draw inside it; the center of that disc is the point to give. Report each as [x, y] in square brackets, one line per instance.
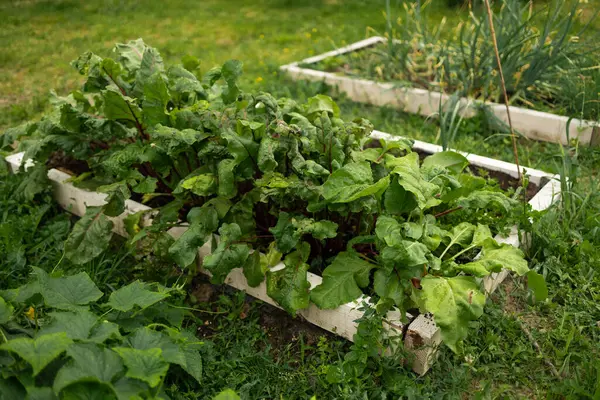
[422, 338]
[532, 124]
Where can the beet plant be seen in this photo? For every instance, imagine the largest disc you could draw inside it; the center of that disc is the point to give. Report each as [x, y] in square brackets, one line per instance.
[270, 180]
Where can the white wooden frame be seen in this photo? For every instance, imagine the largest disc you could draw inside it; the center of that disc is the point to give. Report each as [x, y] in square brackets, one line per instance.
[422, 335]
[532, 124]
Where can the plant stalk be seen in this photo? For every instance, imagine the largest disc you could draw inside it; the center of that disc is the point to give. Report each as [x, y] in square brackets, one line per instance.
[495, 43]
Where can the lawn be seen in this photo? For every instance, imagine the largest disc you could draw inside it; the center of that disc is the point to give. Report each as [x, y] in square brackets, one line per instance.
[518, 349]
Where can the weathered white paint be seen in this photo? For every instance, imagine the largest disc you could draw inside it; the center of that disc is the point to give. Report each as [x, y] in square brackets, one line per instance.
[423, 338]
[532, 124]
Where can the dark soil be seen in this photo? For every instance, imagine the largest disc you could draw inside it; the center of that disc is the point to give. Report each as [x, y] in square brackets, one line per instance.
[281, 328]
[67, 164]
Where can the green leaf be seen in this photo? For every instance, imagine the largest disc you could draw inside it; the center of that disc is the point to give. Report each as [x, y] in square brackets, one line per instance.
[228, 255]
[146, 365]
[451, 160]
[342, 281]
[241, 147]
[283, 232]
[454, 302]
[115, 201]
[388, 230]
[130, 389]
[227, 186]
[204, 221]
[118, 107]
[231, 71]
[90, 236]
[410, 178]
[496, 257]
[398, 200]
[69, 292]
[156, 97]
[130, 54]
[174, 141]
[11, 389]
[253, 270]
[537, 284]
[40, 393]
[351, 182]
[77, 325]
[35, 182]
[485, 199]
[388, 285]
[135, 294]
[266, 157]
[289, 286]
[289, 230]
[147, 185]
[193, 364]
[6, 311]
[461, 234]
[320, 103]
[39, 352]
[103, 331]
[87, 391]
[202, 185]
[188, 358]
[227, 394]
[89, 362]
[321, 230]
[405, 254]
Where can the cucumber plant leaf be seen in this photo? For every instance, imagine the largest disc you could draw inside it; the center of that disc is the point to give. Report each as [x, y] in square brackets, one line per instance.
[67, 292]
[40, 351]
[146, 365]
[89, 362]
[136, 294]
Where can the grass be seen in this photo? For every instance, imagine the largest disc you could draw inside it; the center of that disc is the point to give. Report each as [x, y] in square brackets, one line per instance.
[38, 40]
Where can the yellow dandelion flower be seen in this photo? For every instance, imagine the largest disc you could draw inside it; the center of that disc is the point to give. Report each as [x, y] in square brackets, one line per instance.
[262, 36]
[30, 314]
[308, 35]
[259, 79]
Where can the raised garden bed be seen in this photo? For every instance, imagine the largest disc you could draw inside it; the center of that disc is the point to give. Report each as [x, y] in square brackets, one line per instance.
[421, 336]
[533, 124]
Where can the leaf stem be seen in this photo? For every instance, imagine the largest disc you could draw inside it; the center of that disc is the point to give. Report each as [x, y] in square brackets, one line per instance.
[447, 212]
